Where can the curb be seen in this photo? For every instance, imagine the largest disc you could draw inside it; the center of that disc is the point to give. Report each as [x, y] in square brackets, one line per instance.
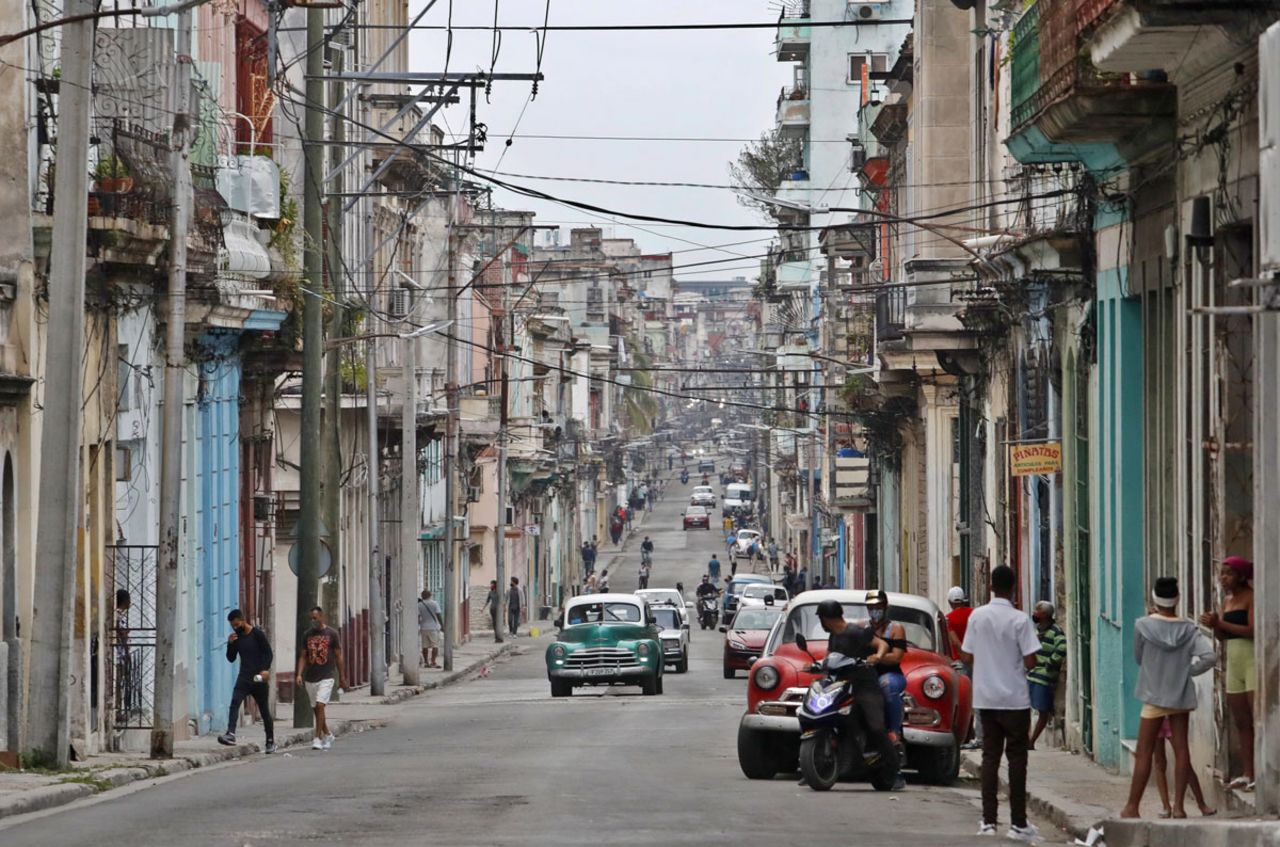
[52, 796]
[1071, 818]
[1192, 833]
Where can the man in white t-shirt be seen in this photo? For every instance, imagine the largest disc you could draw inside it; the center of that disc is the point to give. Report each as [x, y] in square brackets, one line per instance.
[1000, 644]
[430, 629]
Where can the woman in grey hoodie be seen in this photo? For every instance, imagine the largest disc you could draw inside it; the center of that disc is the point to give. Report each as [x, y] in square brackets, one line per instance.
[1170, 650]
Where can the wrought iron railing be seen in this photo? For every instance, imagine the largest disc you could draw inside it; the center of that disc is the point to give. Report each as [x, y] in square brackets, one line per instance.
[131, 571]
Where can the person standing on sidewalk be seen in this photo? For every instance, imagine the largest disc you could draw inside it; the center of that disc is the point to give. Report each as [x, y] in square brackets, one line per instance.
[430, 629]
[1170, 650]
[321, 667]
[957, 624]
[515, 603]
[1001, 644]
[250, 645]
[1042, 680]
[1234, 627]
[773, 555]
[493, 604]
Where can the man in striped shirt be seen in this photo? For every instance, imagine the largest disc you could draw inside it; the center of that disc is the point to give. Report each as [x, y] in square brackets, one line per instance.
[1043, 678]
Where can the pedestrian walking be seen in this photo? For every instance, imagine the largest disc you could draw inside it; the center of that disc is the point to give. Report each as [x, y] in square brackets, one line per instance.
[321, 667]
[1001, 644]
[773, 555]
[642, 576]
[802, 579]
[249, 644]
[588, 557]
[603, 583]
[713, 568]
[957, 624]
[430, 629]
[493, 604]
[1234, 627]
[791, 560]
[515, 603]
[1170, 650]
[1042, 680]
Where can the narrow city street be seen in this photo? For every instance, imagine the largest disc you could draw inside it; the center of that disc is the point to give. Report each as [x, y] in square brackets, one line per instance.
[495, 760]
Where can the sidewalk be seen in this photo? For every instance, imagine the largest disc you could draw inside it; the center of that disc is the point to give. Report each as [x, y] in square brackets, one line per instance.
[22, 792]
[1075, 795]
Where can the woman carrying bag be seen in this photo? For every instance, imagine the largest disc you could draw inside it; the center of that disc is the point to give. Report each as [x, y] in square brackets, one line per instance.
[1170, 651]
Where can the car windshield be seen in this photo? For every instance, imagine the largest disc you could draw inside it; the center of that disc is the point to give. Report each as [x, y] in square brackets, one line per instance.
[735, 587]
[804, 620]
[757, 591]
[668, 618]
[696, 511]
[604, 613]
[756, 618]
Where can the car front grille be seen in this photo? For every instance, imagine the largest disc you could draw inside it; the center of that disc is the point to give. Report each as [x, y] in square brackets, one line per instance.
[600, 657]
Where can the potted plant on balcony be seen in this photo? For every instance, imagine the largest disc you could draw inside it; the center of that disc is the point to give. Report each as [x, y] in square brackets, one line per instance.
[113, 176]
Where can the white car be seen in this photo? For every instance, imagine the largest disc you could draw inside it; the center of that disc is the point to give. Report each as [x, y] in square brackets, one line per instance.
[744, 539]
[670, 597]
[703, 495]
[755, 595]
[674, 635]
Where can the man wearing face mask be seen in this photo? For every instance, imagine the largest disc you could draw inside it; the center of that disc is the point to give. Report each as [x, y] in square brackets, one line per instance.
[859, 642]
[249, 644]
[892, 681]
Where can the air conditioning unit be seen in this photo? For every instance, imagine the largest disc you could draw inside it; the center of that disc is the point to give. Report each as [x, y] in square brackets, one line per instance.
[473, 494]
[857, 158]
[401, 301]
[865, 11]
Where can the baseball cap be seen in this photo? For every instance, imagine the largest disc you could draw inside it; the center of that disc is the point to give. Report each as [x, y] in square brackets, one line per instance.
[956, 595]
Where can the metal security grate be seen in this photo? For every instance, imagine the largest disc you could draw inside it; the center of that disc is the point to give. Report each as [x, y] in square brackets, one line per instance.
[132, 635]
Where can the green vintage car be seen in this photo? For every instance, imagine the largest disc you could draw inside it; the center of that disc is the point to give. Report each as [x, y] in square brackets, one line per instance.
[605, 639]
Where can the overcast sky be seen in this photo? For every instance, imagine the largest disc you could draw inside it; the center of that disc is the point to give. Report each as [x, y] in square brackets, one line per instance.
[700, 84]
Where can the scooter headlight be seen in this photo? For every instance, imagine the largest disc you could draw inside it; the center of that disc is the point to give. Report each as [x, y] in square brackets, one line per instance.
[935, 687]
[766, 677]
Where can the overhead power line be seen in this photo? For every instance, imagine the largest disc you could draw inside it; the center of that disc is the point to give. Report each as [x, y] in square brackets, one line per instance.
[632, 27]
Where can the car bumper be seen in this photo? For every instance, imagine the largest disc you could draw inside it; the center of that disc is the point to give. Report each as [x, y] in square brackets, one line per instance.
[593, 675]
[671, 655]
[739, 659]
[791, 724]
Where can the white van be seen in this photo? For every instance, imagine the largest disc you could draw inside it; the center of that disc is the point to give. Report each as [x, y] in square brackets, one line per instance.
[738, 496]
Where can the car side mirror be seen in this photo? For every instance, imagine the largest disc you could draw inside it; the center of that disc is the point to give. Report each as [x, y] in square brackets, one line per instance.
[724, 629]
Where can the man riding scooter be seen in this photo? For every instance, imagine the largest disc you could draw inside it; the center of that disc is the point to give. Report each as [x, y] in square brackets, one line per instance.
[858, 642]
[892, 681]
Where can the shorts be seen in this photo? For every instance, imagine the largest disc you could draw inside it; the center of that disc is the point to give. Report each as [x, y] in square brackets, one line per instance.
[1242, 675]
[319, 692]
[1041, 697]
[1151, 712]
[430, 638]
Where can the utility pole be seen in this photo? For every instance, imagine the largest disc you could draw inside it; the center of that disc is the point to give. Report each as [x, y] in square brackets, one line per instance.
[174, 402]
[451, 439]
[312, 348]
[332, 435]
[52, 623]
[377, 606]
[500, 552]
[410, 513]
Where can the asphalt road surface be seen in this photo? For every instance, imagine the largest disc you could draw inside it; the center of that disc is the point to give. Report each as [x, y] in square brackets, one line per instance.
[496, 761]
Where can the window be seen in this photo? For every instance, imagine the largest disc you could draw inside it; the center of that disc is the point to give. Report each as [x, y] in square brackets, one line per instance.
[124, 464]
[879, 63]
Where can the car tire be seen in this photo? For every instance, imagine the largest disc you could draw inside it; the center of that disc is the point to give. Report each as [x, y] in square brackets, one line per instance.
[939, 765]
[682, 666]
[755, 754]
[660, 678]
[730, 673]
[561, 688]
[649, 685]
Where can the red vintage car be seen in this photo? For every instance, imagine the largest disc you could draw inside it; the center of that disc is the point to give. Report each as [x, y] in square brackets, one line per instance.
[936, 706]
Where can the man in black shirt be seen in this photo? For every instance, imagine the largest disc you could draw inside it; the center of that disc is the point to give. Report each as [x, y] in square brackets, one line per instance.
[859, 643]
[250, 645]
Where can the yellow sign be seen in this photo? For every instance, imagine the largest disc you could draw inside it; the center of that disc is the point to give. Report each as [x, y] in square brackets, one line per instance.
[1033, 459]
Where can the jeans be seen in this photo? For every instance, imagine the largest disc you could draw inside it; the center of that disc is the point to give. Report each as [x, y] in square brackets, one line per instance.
[1005, 732]
[870, 700]
[513, 619]
[893, 684]
[260, 692]
[497, 631]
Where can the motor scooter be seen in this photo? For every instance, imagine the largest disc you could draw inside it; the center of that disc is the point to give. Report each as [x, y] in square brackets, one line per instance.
[834, 740]
[708, 611]
[684, 477]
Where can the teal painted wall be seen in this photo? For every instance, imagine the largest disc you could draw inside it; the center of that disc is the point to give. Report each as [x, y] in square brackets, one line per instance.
[1119, 534]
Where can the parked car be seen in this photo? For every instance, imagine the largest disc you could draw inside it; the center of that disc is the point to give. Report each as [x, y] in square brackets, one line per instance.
[697, 516]
[936, 706]
[744, 638]
[674, 636]
[670, 596]
[742, 543]
[734, 588]
[706, 466]
[605, 639]
[703, 495]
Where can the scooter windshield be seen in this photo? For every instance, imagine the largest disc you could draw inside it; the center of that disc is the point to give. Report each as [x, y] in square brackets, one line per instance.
[837, 661]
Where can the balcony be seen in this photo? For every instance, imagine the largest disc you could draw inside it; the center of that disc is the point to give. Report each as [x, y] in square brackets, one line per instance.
[1064, 108]
[891, 313]
[1125, 38]
[792, 41]
[793, 111]
[480, 415]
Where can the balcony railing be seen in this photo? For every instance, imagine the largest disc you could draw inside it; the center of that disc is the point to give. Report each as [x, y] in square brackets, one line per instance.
[891, 313]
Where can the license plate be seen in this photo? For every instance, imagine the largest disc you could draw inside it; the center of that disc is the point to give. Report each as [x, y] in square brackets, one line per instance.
[602, 671]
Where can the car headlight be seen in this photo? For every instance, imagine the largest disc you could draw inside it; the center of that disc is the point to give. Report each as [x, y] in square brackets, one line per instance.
[766, 677]
[737, 645]
[642, 649]
[934, 687]
[671, 642]
[558, 651]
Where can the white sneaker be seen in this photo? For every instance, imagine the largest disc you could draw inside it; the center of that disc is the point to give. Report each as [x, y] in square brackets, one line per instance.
[328, 741]
[317, 744]
[1029, 834]
[986, 829]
